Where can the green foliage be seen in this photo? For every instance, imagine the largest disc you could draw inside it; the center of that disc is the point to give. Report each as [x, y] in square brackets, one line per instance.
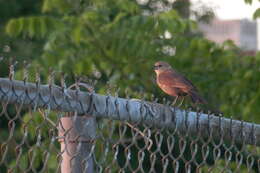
[21, 48]
[256, 14]
[35, 26]
[115, 39]
[248, 1]
[60, 5]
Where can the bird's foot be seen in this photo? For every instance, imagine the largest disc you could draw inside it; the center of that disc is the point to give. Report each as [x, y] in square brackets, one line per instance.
[181, 102]
[174, 102]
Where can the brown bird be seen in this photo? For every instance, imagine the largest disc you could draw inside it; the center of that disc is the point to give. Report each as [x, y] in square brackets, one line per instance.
[175, 84]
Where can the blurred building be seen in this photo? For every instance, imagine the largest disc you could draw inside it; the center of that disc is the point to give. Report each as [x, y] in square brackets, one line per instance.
[242, 32]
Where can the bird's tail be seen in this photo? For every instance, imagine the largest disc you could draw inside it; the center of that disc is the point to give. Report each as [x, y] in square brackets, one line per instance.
[196, 98]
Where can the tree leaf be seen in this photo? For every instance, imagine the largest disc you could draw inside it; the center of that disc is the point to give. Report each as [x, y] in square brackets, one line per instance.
[256, 13]
[13, 28]
[248, 1]
[46, 6]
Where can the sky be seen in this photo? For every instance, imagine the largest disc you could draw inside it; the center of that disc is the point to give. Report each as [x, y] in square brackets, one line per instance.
[231, 9]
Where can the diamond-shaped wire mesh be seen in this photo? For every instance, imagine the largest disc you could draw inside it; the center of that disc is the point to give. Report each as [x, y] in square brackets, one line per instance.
[46, 128]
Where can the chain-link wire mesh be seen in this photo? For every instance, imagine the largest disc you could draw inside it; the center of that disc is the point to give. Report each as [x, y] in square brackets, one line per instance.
[47, 128]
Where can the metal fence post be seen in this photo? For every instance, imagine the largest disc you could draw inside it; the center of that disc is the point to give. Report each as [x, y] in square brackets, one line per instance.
[76, 135]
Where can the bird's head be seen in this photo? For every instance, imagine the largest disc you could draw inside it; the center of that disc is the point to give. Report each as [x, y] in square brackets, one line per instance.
[161, 66]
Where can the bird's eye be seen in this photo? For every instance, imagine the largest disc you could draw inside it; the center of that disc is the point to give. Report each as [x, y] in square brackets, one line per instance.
[157, 66]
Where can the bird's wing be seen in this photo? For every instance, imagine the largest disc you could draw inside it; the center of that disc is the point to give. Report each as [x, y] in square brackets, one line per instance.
[176, 80]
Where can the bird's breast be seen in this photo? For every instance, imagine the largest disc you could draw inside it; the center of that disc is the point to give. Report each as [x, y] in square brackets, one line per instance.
[169, 90]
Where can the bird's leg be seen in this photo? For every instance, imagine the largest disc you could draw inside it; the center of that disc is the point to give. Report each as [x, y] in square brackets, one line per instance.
[175, 100]
[195, 106]
[182, 99]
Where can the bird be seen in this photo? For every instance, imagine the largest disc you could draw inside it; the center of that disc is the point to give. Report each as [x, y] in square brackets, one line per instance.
[175, 84]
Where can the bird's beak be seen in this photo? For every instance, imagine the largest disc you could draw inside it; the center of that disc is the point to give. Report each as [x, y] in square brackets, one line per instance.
[155, 67]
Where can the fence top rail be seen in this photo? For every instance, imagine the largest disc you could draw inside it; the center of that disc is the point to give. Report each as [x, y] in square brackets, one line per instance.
[157, 115]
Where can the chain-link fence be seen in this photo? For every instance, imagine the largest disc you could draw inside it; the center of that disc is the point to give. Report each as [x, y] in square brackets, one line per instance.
[47, 128]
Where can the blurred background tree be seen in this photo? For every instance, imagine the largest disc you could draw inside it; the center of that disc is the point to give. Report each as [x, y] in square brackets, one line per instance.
[118, 41]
